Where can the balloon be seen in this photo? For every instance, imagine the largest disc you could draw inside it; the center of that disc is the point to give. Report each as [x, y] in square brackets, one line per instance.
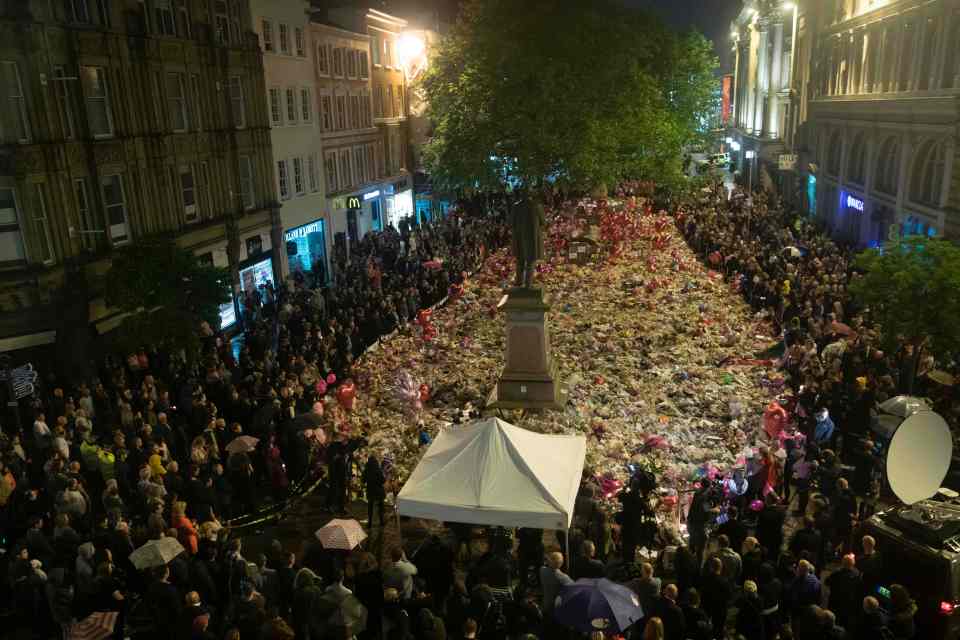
[346, 394]
[320, 387]
[331, 379]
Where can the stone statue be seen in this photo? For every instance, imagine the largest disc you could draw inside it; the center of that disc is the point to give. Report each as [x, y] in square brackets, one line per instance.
[527, 220]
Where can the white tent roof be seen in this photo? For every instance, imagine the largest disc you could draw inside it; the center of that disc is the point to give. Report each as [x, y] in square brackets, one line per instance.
[491, 472]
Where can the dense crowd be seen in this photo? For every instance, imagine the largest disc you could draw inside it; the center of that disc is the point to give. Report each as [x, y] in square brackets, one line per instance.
[155, 447]
[146, 452]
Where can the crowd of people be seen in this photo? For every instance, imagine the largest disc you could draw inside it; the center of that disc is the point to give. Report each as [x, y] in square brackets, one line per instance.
[157, 447]
[154, 448]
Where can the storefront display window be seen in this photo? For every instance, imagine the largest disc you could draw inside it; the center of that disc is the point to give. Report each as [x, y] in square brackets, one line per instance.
[256, 275]
[228, 314]
[306, 247]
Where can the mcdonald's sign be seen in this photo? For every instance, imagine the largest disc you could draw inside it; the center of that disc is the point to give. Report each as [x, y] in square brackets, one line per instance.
[353, 202]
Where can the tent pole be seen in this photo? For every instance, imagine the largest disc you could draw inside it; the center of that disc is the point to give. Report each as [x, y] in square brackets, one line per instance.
[566, 556]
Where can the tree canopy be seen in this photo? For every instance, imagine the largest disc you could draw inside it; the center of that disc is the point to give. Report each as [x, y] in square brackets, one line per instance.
[580, 93]
[911, 289]
[166, 292]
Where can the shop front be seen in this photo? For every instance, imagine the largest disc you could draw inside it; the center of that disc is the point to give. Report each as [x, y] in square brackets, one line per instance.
[256, 272]
[397, 202]
[306, 247]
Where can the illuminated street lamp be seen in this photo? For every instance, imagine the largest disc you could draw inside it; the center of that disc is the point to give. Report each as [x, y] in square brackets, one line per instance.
[411, 49]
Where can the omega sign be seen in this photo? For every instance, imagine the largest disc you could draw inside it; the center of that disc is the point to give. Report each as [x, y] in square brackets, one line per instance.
[353, 202]
[854, 203]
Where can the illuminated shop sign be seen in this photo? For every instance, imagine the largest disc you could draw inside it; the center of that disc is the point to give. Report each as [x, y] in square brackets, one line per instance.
[854, 203]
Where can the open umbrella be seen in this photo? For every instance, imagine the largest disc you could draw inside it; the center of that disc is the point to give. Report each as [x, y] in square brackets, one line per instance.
[343, 610]
[156, 553]
[942, 377]
[97, 626]
[242, 444]
[341, 534]
[590, 605]
[904, 406]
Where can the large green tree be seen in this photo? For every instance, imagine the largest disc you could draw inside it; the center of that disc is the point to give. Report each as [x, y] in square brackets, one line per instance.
[583, 93]
[166, 293]
[911, 289]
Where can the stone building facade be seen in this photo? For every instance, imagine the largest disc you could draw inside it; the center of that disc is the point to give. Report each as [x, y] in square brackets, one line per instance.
[124, 119]
[868, 118]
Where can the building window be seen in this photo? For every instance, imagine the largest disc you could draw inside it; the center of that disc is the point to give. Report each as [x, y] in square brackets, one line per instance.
[276, 110]
[306, 105]
[291, 106]
[338, 61]
[313, 177]
[387, 52]
[188, 194]
[11, 240]
[197, 103]
[341, 112]
[364, 65]
[378, 103]
[330, 171]
[346, 180]
[163, 14]
[87, 223]
[284, 39]
[183, 18]
[326, 113]
[834, 154]
[888, 166]
[61, 87]
[857, 163]
[246, 182]
[284, 179]
[357, 165]
[14, 126]
[298, 42]
[401, 106]
[951, 67]
[371, 162]
[266, 33]
[97, 96]
[221, 21]
[323, 59]
[235, 33]
[78, 11]
[390, 105]
[929, 167]
[236, 102]
[254, 246]
[41, 227]
[177, 102]
[375, 49]
[355, 111]
[115, 208]
[352, 63]
[298, 176]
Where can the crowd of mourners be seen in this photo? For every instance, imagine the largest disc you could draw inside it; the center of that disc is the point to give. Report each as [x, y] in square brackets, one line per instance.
[146, 451]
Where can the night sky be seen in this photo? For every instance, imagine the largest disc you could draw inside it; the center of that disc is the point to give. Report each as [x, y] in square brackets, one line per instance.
[710, 17]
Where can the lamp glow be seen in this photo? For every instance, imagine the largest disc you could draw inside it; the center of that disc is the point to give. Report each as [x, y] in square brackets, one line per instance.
[409, 48]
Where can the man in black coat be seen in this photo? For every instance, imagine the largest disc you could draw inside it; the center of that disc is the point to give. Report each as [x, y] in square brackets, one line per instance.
[586, 565]
[667, 609]
[807, 540]
[846, 589]
[716, 592]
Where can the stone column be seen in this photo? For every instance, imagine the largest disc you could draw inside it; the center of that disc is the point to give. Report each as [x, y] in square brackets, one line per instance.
[762, 80]
[866, 68]
[735, 90]
[773, 123]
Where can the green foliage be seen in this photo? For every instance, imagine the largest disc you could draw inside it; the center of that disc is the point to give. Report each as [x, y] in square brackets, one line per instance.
[911, 288]
[167, 293]
[582, 92]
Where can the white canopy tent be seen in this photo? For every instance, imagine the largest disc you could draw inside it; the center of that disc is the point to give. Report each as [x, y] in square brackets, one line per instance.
[491, 472]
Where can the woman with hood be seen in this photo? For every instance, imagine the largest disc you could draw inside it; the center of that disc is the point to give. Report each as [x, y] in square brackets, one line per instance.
[85, 571]
[307, 591]
[902, 611]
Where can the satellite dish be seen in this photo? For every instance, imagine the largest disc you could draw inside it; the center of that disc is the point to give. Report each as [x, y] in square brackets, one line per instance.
[919, 456]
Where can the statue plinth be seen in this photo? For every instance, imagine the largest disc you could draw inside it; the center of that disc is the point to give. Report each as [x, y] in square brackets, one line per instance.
[529, 379]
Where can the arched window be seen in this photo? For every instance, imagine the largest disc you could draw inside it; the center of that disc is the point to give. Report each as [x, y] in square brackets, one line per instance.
[857, 163]
[926, 179]
[888, 166]
[834, 151]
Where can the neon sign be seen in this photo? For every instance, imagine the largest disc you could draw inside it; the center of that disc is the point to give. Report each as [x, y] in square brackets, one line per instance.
[854, 203]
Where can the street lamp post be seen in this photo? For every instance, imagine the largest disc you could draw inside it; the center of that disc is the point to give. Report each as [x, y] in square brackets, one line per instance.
[751, 155]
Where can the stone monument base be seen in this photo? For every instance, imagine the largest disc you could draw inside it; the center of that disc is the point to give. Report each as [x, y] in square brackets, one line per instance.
[529, 379]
